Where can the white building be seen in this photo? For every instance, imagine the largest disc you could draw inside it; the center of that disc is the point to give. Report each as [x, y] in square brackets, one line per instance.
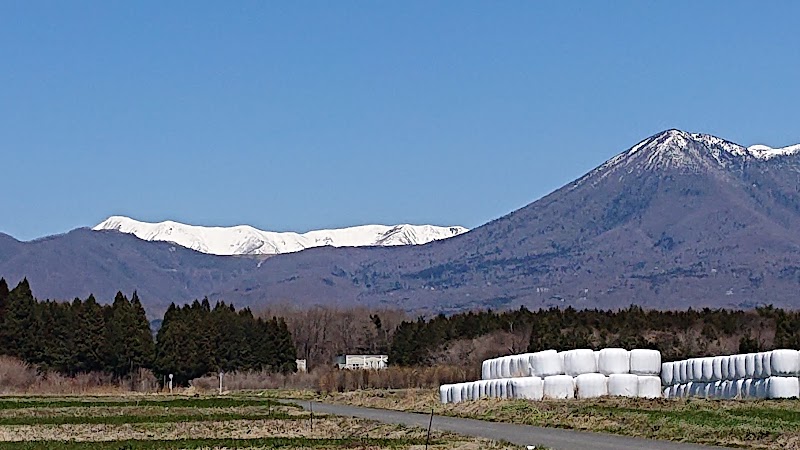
[362, 361]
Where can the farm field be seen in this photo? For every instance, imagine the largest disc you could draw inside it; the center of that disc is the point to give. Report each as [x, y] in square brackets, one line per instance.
[171, 422]
[750, 424]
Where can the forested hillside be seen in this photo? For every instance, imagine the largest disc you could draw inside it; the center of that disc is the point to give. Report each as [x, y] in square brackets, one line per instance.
[84, 336]
[472, 336]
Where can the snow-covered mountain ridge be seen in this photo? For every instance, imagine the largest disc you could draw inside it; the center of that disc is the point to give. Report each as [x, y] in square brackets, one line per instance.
[247, 240]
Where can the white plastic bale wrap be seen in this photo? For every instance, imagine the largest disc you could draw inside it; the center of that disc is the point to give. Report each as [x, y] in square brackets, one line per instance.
[591, 385]
[716, 365]
[523, 366]
[580, 361]
[783, 387]
[667, 374]
[444, 393]
[613, 361]
[761, 388]
[747, 389]
[486, 373]
[766, 364]
[785, 363]
[475, 390]
[623, 385]
[724, 367]
[528, 388]
[455, 393]
[677, 372]
[649, 386]
[483, 388]
[546, 363]
[505, 367]
[718, 389]
[707, 368]
[750, 365]
[668, 391]
[758, 372]
[696, 370]
[645, 362]
[739, 364]
[559, 386]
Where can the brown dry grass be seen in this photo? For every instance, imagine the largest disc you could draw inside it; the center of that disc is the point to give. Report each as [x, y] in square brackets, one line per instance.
[20, 378]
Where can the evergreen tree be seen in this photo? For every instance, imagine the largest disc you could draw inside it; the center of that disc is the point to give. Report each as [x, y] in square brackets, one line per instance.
[20, 324]
[90, 336]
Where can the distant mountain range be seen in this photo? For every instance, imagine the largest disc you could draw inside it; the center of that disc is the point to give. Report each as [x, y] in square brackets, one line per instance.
[246, 240]
[678, 220]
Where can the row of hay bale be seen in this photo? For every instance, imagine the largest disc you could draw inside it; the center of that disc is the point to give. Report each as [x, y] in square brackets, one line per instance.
[606, 362]
[771, 374]
[755, 388]
[586, 385]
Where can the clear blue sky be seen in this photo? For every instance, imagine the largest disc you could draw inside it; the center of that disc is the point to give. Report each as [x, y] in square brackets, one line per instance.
[302, 115]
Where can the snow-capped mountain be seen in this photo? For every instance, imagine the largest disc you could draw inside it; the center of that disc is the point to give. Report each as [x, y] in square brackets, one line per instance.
[246, 240]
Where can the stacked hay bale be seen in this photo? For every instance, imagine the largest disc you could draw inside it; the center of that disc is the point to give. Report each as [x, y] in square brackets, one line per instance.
[580, 373]
[754, 375]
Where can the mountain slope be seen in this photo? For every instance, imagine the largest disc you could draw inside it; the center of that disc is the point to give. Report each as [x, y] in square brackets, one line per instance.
[678, 220]
[246, 240]
[675, 221]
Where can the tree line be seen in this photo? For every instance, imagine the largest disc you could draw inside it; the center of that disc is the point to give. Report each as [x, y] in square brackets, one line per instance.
[84, 336]
[677, 334]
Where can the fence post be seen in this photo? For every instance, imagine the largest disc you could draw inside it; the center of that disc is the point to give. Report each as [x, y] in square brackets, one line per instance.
[430, 424]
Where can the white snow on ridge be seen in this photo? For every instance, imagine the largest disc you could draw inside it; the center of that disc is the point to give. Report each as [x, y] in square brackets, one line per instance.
[766, 152]
[246, 240]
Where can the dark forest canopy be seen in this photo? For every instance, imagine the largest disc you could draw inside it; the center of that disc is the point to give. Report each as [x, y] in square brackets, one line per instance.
[84, 336]
[677, 334]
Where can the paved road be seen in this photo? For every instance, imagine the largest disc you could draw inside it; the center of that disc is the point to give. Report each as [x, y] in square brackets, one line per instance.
[516, 434]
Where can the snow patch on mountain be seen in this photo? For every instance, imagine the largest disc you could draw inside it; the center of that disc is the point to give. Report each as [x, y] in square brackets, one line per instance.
[766, 152]
[247, 240]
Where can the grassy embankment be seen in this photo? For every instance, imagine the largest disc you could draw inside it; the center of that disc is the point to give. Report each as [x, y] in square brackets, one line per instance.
[164, 422]
[764, 424]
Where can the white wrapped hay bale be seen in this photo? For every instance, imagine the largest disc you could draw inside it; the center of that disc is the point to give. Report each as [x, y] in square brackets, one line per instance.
[783, 387]
[750, 365]
[649, 386]
[766, 364]
[645, 362]
[716, 368]
[475, 390]
[707, 367]
[668, 391]
[591, 385]
[580, 361]
[623, 385]
[686, 371]
[724, 363]
[758, 372]
[785, 363]
[760, 387]
[528, 388]
[546, 363]
[455, 393]
[505, 367]
[667, 374]
[559, 386]
[444, 394]
[613, 361]
[483, 388]
[696, 365]
[485, 370]
[747, 388]
[677, 372]
[740, 367]
[523, 366]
